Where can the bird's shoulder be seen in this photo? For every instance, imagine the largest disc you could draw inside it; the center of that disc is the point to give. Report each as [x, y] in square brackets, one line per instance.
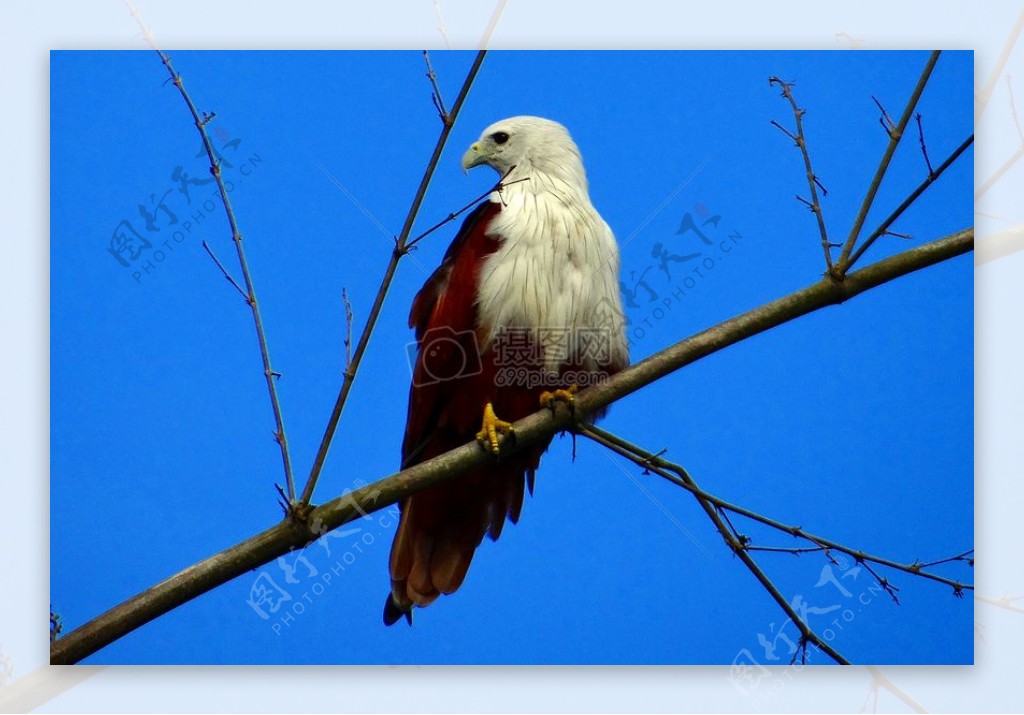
[459, 267]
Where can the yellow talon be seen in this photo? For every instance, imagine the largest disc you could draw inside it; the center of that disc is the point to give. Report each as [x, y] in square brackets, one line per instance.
[488, 434]
[547, 399]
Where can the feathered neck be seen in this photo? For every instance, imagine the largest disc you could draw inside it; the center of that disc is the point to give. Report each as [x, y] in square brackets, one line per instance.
[560, 174]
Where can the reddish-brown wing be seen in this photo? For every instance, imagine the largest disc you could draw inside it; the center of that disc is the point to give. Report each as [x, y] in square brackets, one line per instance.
[453, 379]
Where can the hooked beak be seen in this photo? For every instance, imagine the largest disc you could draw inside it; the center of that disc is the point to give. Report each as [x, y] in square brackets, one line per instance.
[473, 157]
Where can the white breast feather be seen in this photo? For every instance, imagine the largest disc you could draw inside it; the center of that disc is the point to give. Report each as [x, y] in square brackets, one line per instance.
[557, 267]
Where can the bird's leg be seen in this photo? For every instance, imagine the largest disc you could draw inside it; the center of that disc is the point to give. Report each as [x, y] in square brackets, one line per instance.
[547, 399]
[492, 426]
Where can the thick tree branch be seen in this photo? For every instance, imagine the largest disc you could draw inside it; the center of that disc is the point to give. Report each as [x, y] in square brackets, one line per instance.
[294, 533]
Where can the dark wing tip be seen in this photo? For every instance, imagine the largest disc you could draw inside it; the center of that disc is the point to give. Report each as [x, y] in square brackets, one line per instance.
[393, 614]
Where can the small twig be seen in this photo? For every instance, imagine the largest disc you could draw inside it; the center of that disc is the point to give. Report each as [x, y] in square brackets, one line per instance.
[401, 249]
[966, 556]
[348, 327]
[885, 120]
[250, 292]
[904, 236]
[907, 202]
[785, 131]
[812, 180]
[435, 90]
[924, 147]
[225, 273]
[741, 538]
[882, 581]
[844, 263]
[795, 550]
[805, 202]
[283, 502]
[501, 184]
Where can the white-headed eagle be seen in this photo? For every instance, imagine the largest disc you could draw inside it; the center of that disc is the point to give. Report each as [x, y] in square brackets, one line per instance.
[524, 307]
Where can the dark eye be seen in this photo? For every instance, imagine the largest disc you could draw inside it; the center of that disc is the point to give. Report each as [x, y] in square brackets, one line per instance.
[500, 137]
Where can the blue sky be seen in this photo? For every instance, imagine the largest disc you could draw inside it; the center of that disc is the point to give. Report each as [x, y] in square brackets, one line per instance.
[855, 422]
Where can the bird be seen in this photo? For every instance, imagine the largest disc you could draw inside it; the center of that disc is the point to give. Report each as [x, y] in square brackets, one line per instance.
[523, 309]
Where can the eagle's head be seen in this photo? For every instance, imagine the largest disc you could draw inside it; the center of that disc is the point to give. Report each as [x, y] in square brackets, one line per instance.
[527, 143]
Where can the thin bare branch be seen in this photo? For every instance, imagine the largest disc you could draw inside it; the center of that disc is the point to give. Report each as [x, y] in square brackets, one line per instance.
[293, 533]
[883, 228]
[897, 234]
[655, 464]
[676, 474]
[812, 179]
[785, 131]
[435, 90]
[250, 291]
[885, 120]
[224, 272]
[401, 248]
[891, 589]
[795, 550]
[501, 184]
[966, 557]
[348, 327]
[883, 166]
[924, 147]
